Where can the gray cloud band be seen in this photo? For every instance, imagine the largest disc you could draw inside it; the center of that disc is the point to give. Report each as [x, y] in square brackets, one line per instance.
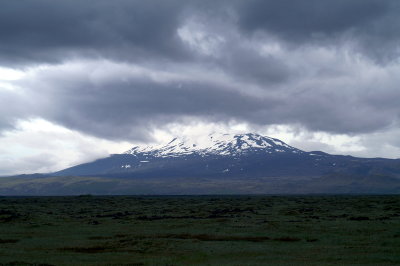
[265, 46]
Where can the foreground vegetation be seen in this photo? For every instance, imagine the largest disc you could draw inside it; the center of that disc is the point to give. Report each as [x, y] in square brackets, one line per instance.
[210, 230]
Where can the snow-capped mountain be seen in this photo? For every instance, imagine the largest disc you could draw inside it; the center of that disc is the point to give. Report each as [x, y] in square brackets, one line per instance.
[225, 163]
[216, 144]
[240, 158]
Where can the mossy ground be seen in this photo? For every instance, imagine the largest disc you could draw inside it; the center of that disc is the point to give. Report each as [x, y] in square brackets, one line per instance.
[203, 230]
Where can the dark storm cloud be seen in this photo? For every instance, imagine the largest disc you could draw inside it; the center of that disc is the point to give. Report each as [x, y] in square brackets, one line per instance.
[52, 31]
[303, 19]
[262, 62]
[372, 24]
[128, 109]
[248, 65]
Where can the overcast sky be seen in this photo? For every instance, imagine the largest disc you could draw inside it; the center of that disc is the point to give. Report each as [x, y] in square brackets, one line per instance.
[80, 79]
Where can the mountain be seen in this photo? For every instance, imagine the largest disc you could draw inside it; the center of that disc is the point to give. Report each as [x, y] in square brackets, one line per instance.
[228, 155]
[213, 155]
[221, 164]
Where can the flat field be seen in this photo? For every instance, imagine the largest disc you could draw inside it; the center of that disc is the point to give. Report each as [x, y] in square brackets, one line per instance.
[200, 230]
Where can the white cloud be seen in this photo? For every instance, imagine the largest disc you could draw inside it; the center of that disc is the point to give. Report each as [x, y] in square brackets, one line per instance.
[384, 143]
[201, 38]
[40, 146]
[10, 74]
[7, 75]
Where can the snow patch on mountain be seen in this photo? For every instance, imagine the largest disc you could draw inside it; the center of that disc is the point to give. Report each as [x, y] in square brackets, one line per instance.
[215, 144]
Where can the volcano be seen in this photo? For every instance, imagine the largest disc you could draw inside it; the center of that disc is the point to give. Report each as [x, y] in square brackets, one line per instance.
[223, 164]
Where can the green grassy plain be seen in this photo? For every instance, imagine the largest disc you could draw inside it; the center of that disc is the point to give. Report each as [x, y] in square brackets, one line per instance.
[200, 230]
